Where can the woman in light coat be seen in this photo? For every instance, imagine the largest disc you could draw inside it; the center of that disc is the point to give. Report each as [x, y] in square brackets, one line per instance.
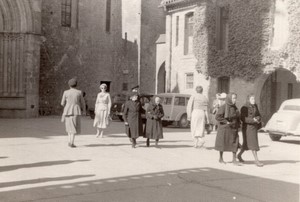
[73, 102]
[197, 113]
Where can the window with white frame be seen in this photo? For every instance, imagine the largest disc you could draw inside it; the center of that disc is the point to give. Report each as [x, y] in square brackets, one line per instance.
[189, 80]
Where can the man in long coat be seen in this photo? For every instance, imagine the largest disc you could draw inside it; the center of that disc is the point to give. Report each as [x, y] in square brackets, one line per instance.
[132, 118]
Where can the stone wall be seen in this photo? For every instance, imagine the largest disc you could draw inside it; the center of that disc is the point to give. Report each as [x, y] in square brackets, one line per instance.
[85, 51]
[152, 25]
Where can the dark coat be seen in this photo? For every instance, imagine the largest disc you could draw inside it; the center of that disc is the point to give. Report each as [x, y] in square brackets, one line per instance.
[227, 136]
[250, 127]
[132, 115]
[154, 128]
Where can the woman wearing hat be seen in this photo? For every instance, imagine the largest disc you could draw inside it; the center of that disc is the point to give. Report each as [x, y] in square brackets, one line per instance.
[132, 118]
[73, 102]
[227, 136]
[102, 110]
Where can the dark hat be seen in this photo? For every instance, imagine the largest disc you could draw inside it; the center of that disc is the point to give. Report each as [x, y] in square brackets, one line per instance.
[72, 82]
[135, 87]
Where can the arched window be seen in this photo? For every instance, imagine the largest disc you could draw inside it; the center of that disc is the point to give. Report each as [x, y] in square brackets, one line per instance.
[189, 32]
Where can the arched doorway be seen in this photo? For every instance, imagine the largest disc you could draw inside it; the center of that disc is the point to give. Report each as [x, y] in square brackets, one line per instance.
[279, 86]
[161, 79]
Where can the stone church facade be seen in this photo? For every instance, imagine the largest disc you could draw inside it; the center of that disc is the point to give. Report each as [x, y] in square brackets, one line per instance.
[233, 46]
[20, 32]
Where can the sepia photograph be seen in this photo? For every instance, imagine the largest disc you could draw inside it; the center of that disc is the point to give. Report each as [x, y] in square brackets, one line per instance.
[149, 100]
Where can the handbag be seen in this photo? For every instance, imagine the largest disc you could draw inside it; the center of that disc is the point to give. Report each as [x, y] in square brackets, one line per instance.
[108, 120]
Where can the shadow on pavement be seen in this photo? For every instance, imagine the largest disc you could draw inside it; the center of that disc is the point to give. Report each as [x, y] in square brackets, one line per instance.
[3, 157]
[196, 184]
[39, 164]
[290, 141]
[270, 162]
[41, 180]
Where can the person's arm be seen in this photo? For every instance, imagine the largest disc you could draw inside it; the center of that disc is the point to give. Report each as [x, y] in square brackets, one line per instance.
[244, 116]
[109, 104]
[220, 115]
[161, 112]
[125, 113]
[82, 102]
[64, 99]
[96, 103]
[189, 107]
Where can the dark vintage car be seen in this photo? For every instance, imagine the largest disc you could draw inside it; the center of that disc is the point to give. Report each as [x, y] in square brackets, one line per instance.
[118, 103]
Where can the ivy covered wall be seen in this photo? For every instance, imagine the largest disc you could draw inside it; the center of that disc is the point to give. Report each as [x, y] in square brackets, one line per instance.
[248, 52]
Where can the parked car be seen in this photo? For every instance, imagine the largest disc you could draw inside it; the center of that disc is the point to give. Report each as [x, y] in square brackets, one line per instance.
[117, 107]
[286, 121]
[174, 105]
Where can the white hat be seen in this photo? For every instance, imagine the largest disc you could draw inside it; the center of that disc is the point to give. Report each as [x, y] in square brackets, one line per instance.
[223, 96]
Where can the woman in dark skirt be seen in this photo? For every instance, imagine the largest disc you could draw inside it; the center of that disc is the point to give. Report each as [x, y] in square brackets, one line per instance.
[154, 129]
[251, 119]
[132, 118]
[227, 136]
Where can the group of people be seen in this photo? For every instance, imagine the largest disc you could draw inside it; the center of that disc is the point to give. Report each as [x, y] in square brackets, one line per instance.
[228, 118]
[75, 106]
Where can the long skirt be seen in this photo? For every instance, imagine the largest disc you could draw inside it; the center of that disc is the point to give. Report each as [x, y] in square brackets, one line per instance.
[101, 120]
[198, 123]
[73, 125]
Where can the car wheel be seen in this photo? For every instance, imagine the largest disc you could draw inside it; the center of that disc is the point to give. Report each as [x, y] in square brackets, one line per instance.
[183, 122]
[121, 118]
[165, 123]
[274, 137]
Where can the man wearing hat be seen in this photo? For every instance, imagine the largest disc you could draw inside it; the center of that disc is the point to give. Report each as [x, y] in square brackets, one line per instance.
[73, 102]
[132, 118]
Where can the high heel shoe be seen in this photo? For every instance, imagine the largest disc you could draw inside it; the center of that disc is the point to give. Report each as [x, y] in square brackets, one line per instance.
[259, 164]
[240, 159]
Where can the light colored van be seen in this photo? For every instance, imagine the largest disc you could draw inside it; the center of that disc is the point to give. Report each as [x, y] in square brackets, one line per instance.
[174, 105]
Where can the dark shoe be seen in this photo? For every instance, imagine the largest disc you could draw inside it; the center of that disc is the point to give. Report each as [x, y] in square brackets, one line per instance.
[73, 145]
[259, 164]
[148, 143]
[240, 159]
[222, 161]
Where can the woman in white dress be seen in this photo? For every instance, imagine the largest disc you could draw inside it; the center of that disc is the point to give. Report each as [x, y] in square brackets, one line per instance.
[197, 113]
[102, 110]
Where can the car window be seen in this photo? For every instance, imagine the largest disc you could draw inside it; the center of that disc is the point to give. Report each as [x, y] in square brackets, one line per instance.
[166, 100]
[180, 101]
[291, 108]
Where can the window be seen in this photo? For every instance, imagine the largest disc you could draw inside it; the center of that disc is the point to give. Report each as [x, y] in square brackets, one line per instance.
[222, 28]
[66, 14]
[223, 84]
[179, 101]
[167, 101]
[290, 91]
[125, 86]
[177, 30]
[108, 13]
[189, 81]
[189, 32]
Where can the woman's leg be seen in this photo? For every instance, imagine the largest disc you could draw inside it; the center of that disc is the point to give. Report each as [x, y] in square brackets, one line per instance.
[133, 142]
[239, 156]
[196, 139]
[259, 164]
[221, 158]
[72, 140]
[234, 161]
[98, 132]
[201, 141]
[101, 132]
[148, 142]
[156, 142]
